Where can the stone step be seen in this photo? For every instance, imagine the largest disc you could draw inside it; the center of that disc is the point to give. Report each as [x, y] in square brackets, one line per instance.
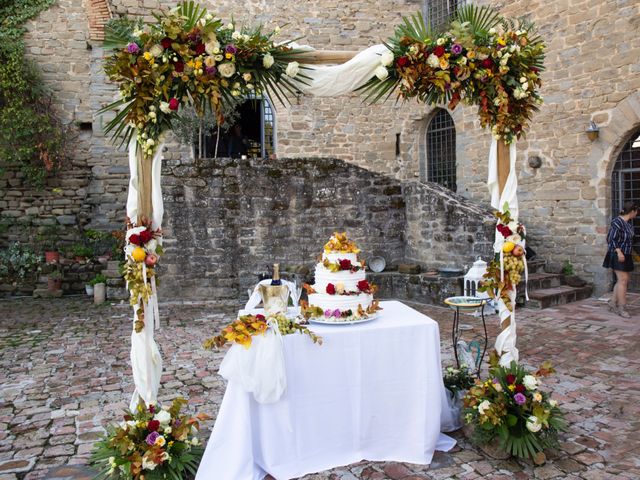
[536, 266]
[537, 281]
[550, 297]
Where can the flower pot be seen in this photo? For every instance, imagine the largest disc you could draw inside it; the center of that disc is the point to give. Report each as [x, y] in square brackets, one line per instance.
[99, 293]
[54, 284]
[52, 257]
[89, 289]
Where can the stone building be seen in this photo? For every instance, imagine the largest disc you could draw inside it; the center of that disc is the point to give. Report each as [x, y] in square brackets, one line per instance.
[567, 191]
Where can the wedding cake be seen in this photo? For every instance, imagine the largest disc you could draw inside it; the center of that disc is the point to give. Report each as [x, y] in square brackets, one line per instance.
[341, 292]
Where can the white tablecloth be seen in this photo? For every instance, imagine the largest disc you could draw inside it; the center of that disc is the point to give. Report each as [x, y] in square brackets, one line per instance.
[372, 391]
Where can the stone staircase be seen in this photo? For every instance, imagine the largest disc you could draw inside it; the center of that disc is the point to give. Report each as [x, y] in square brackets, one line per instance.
[548, 289]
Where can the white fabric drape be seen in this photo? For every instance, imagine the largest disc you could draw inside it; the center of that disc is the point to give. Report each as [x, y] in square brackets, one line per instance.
[337, 80]
[506, 341]
[146, 362]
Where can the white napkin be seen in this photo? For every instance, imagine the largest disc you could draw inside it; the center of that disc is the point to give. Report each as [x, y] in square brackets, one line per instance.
[255, 298]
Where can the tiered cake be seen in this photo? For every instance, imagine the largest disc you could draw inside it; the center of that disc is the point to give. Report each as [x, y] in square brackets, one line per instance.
[341, 292]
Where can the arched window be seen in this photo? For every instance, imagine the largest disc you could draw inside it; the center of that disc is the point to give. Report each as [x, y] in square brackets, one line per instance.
[254, 126]
[438, 13]
[441, 150]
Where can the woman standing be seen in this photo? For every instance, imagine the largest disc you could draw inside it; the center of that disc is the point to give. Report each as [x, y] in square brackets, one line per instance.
[620, 241]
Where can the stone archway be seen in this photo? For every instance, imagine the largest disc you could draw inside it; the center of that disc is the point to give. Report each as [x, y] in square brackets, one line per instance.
[616, 127]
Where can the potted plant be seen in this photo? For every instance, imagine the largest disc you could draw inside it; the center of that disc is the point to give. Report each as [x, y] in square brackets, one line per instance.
[49, 238]
[569, 276]
[100, 243]
[99, 288]
[99, 278]
[54, 281]
[457, 381]
[81, 253]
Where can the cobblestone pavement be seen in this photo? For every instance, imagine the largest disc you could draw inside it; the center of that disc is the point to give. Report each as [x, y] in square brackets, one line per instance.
[65, 374]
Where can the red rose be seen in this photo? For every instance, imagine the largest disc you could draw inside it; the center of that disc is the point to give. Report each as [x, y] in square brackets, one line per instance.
[179, 66]
[345, 264]
[166, 42]
[331, 289]
[146, 235]
[439, 51]
[504, 230]
[520, 388]
[511, 379]
[363, 286]
[402, 62]
[152, 409]
[487, 63]
[199, 49]
[153, 425]
[260, 317]
[174, 104]
[135, 239]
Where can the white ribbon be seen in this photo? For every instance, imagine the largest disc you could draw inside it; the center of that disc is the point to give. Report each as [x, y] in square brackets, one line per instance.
[156, 187]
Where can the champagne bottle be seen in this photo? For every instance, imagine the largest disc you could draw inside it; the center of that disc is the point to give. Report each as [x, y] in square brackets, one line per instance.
[275, 280]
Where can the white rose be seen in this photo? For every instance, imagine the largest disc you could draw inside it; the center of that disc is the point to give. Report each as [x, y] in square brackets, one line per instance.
[533, 424]
[167, 430]
[212, 47]
[484, 406]
[553, 403]
[236, 35]
[164, 107]
[433, 61]
[267, 60]
[386, 58]
[227, 69]
[163, 417]
[340, 288]
[156, 50]
[292, 69]
[246, 77]
[147, 464]
[381, 72]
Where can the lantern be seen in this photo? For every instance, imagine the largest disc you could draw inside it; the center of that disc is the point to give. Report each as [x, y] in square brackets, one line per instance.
[473, 278]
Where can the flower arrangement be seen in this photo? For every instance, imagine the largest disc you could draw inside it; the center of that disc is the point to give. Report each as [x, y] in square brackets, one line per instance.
[188, 57]
[245, 327]
[343, 264]
[312, 311]
[338, 288]
[511, 408]
[151, 442]
[339, 243]
[143, 247]
[483, 59]
[504, 272]
[458, 379]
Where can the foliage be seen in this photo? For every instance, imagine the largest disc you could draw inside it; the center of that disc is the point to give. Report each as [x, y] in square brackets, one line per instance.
[511, 407]
[153, 443]
[456, 379]
[483, 59]
[188, 57]
[31, 136]
[18, 262]
[99, 242]
[49, 237]
[99, 278]
[247, 326]
[81, 251]
[567, 268]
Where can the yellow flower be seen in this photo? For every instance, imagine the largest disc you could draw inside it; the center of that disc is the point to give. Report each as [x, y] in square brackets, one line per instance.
[501, 41]
[147, 56]
[160, 441]
[198, 64]
[228, 56]
[190, 64]
[511, 388]
[444, 63]
[471, 54]
[537, 397]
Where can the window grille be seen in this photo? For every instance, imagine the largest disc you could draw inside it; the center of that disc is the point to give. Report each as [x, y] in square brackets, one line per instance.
[258, 125]
[441, 150]
[438, 13]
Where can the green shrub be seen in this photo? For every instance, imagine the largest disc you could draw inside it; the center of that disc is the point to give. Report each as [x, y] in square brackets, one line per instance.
[17, 263]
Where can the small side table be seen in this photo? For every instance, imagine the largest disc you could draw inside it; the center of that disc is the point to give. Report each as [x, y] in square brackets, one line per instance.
[467, 305]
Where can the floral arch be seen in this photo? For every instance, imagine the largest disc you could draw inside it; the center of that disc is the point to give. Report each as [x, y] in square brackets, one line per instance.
[190, 58]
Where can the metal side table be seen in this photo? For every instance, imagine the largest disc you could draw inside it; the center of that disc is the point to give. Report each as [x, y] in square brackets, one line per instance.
[467, 305]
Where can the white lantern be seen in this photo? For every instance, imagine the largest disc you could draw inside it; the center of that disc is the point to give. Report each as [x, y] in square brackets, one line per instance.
[473, 278]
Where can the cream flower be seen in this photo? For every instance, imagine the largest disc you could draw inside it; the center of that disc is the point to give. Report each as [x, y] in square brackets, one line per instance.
[156, 50]
[537, 397]
[533, 424]
[227, 69]
[386, 58]
[148, 464]
[483, 407]
[160, 441]
[210, 61]
[433, 61]
[553, 403]
[381, 72]
[246, 77]
[236, 35]
[441, 41]
[340, 288]
[164, 107]
[267, 60]
[163, 417]
[292, 69]
[212, 47]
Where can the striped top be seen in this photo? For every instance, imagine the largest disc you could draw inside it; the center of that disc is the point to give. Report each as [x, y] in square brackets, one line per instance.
[620, 236]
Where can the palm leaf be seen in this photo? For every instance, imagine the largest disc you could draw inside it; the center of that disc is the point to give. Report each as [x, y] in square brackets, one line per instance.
[192, 13]
[481, 19]
[415, 28]
[118, 32]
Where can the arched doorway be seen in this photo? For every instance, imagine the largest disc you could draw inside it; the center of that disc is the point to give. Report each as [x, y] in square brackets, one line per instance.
[625, 186]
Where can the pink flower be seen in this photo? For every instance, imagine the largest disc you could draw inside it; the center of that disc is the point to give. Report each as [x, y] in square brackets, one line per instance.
[327, 312]
[520, 399]
[337, 313]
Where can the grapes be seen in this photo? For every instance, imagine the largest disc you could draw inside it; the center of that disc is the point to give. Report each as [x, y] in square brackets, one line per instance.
[513, 267]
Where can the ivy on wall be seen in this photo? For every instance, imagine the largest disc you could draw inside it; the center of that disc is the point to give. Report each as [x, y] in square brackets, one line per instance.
[31, 136]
